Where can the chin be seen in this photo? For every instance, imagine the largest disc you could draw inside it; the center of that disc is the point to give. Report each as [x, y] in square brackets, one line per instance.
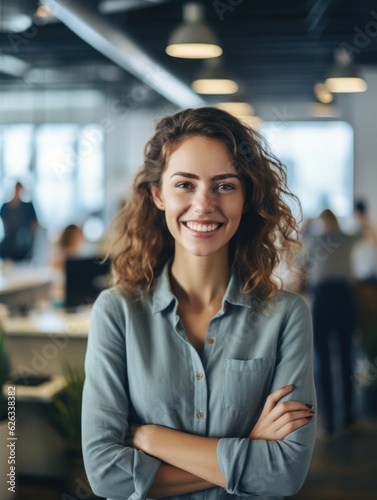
[203, 252]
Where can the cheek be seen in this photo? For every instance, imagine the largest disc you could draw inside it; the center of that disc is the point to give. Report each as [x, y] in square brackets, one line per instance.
[235, 208]
[174, 205]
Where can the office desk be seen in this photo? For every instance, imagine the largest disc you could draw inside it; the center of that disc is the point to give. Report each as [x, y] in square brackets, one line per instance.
[40, 344]
[43, 342]
[24, 278]
[49, 322]
[21, 287]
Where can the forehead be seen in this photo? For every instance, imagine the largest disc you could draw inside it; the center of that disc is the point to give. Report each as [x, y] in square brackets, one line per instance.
[200, 154]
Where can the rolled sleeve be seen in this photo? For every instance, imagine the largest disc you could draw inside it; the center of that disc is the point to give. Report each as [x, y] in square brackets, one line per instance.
[275, 468]
[114, 470]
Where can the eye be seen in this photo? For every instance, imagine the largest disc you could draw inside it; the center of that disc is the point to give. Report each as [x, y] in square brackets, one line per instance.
[184, 185]
[225, 187]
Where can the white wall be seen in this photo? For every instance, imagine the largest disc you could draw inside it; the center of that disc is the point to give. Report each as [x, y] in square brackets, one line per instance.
[360, 110]
[125, 139]
[364, 120]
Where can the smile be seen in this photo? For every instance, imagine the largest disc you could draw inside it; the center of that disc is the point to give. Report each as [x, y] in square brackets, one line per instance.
[202, 228]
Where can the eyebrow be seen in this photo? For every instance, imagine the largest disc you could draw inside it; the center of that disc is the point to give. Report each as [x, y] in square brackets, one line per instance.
[219, 177]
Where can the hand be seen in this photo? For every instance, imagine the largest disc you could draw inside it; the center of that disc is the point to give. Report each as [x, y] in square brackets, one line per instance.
[140, 434]
[277, 420]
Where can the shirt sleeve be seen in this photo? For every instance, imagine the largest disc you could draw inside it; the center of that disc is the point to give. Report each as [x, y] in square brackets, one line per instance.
[32, 213]
[273, 468]
[114, 470]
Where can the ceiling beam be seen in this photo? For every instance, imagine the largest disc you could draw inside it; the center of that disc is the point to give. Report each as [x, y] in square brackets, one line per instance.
[316, 20]
[111, 6]
[122, 50]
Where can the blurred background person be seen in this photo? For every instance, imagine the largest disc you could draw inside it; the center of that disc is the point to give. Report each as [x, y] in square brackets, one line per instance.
[68, 244]
[329, 281]
[20, 225]
[364, 254]
[364, 267]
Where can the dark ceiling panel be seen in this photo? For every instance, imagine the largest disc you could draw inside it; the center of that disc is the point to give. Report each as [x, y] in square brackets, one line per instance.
[272, 47]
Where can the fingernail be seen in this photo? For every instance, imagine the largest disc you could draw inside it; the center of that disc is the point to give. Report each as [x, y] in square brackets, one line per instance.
[309, 418]
[309, 406]
[288, 387]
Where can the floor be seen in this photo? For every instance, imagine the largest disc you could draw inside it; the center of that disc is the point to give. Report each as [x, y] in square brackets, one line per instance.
[345, 469]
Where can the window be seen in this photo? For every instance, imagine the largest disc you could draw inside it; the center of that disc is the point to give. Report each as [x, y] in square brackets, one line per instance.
[62, 163]
[319, 160]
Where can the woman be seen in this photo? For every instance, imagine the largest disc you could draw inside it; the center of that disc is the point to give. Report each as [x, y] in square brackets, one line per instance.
[199, 370]
[335, 319]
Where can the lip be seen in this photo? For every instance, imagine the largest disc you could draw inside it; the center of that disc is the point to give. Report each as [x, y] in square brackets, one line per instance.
[202, 221]
[202, 234]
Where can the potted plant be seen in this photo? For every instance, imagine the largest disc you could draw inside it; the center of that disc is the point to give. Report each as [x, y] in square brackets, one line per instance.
[65, 416]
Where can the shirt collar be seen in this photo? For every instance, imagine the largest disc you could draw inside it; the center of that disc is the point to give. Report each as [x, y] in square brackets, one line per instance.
[163, 295]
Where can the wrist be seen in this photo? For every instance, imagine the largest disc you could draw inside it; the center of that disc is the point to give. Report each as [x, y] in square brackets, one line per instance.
[142, 439]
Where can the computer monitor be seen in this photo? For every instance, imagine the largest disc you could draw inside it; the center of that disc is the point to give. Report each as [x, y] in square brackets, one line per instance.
[85, 278]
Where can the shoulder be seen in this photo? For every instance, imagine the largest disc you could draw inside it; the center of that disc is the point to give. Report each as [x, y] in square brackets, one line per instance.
[111, 299]
[28, 207]
[289, 300]
[109, 302]
[289, 307]
[283, 309]
[115, 302]
[4, 208]
[284, 302]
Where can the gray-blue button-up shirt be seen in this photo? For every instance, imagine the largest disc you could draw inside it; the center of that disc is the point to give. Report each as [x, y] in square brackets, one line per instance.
[141, 367]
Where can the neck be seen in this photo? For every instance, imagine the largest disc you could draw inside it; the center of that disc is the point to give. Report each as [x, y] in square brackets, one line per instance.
[200, 281]
[15, 200]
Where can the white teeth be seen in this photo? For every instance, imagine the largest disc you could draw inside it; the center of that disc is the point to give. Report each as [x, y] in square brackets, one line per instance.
[203, 228]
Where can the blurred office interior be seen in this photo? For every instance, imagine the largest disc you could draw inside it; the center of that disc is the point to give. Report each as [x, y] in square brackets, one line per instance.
[82, 84]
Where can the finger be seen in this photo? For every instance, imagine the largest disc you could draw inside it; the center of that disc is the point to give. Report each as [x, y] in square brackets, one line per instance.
[292, 426]
[289, 406]
[292, 417]
[275, 396]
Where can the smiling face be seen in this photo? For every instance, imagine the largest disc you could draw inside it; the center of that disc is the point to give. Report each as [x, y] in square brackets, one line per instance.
[202, 196]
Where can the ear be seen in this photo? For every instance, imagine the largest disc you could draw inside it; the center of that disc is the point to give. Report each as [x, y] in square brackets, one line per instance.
[157, 197]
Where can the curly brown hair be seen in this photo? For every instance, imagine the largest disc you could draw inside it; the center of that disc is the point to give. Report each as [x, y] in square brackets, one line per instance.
[142, 243]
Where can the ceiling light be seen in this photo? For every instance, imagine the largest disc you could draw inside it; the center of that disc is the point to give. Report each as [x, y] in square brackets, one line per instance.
[213, 79]
[16, 16]
[251, 121]
[43, 11]
[13, 66]
[44, 15]
[344, 77]
[237, 108]
[193, 39]
[322, 93]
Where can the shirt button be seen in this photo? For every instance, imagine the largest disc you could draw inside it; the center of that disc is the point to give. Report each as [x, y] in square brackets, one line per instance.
[211, 340]
[199, 376]
[200, 415]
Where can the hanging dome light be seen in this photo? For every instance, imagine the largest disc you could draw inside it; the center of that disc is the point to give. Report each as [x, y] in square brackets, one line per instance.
[322, 93]
[193, 39]
[16, 16]
[214, 80]
[237, 108]
[344, 77]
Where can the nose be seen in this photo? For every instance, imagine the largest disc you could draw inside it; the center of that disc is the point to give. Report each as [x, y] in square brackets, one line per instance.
[204, 202]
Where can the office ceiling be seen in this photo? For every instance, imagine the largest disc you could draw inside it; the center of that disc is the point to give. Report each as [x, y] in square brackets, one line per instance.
[271, 47]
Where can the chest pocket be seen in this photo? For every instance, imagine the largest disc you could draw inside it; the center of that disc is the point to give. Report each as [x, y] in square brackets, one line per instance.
[246, 383]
